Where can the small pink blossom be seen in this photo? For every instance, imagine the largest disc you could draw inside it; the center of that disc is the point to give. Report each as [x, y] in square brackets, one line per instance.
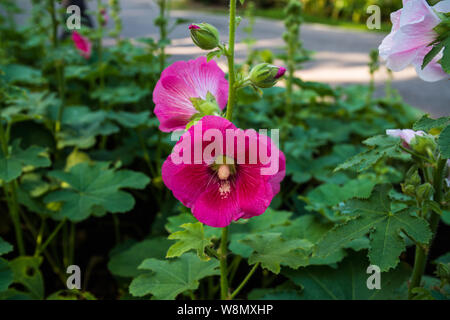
[448, 168]
[405, 134]
[184, 80]
[82, 44]
[280, 73]
[412, 32]
[216, 189]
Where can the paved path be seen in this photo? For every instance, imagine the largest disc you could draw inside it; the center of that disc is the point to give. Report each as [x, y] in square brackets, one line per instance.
[341, 55]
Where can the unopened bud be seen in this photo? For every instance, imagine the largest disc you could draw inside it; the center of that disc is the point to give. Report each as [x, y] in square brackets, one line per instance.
[204, 35]
[265, 75]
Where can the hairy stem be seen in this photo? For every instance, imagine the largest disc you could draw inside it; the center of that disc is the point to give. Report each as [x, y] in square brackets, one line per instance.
[230, 58]
[420, 260]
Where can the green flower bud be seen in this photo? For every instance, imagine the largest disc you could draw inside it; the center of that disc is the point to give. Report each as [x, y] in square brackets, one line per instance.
[265, 75]
[424, 191]
[204, 35]
[425, 145]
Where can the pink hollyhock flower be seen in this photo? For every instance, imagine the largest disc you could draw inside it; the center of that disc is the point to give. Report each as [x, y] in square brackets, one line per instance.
[412, 32]
[82, 44]
[231, 181]
[184, 80]
[406, 135]
[448, 179]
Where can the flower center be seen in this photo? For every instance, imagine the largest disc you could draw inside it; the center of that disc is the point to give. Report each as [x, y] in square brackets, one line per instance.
[223, 172]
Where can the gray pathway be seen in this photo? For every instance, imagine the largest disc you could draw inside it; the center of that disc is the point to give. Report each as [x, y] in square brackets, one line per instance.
[341, 55]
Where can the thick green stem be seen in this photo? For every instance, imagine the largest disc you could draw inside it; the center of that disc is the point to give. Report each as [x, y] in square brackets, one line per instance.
[230, 58]
[244, 282]
[420, 260]
[223, 265]
[52, 11]
[162, 33]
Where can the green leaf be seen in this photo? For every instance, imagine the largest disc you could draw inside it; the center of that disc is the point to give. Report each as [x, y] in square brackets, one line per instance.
[92, 187]
[129, 119]
[374, 217]
[348, 281]
[437, 47]
[271, 250]
[274, 294]
[426, 123]
[5, 247]
[445, 61]
[168, 279]
[125, 263]
[383, 146]
[191, 238]
[174, 224]
[26, 272]
[18, 159]
[6, 275]
[21, 74]
[444, 142]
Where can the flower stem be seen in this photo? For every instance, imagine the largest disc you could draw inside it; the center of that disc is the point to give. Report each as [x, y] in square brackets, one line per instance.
[223, 265]
[230, 58]
[244, 282]
[420, 260]
[49, 239]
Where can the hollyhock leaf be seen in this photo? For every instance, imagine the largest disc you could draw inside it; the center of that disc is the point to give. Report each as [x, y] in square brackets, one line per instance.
[174, 224]
[430, 55]
[5, 247]
[383, 146]
[130, 119]
[21, 74]
[168, 279]
[18, 159]
[93, 186]
[6, 275]
[375, 217]
[444, 142]
[445, 61]
[348, 281]
[271, 250]
[125, 263]
[126, 94]
[26, 272]
[191, 238]
[425, 123]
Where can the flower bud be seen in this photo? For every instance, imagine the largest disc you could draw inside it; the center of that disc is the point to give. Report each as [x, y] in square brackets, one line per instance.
[424, 191]
[265, 75]
[425, 145]
[204, 35]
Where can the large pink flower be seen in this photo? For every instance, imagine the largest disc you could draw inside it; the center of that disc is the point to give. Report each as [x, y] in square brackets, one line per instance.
[412, 32]
[223, 179]
[82, 44]
[180, 82]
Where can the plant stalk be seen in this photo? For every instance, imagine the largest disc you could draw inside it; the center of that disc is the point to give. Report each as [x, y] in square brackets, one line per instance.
[223, 265]
[230, 58]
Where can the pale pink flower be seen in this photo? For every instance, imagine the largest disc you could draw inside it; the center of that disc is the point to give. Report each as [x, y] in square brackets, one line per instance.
[182, 81]
[405, 134]
[82, 44]
[412, 32]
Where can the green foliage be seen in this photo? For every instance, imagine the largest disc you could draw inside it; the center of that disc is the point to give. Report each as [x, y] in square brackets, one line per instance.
[376, 217]
[271, 250]
[444, 142]
[26, 272]
[191, 238]
[17, 160]
[94, 189]
[5, 247]
[126, 258]
[348, 281]
[168, 279]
